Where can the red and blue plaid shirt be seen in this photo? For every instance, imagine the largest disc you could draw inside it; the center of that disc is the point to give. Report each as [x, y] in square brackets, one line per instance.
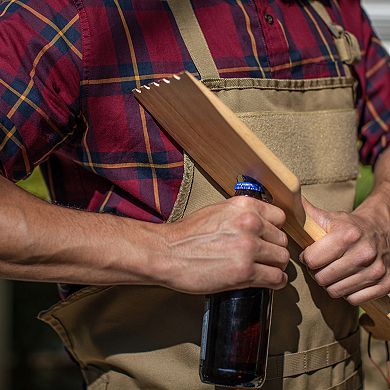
[67, 70]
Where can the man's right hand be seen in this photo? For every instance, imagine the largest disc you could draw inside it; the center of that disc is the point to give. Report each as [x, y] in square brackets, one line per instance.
[233, 244]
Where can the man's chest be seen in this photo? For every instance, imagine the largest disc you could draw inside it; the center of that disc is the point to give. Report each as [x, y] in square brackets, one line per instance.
[138, 40]
[131, 43]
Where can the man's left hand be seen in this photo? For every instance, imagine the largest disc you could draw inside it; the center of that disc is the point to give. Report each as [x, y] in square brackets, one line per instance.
[353, 259]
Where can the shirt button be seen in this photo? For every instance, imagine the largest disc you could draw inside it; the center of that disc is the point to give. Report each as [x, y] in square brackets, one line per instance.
[269, 19]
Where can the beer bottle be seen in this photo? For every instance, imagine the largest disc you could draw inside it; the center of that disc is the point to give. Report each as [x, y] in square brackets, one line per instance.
[236, 327]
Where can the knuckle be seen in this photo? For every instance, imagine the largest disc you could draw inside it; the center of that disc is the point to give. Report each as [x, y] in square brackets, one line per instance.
[280, 215]
[308, 259]
[384, 289]
[352, 234]
[283, 239]
[334, 292]
[320, 279]
[378, 271]
[243, 202]
[363, 261]
[353, 301]
[277, 280]
[250, 221]
[243, 269]
[284, 257]
[369, 252]
[247, 245]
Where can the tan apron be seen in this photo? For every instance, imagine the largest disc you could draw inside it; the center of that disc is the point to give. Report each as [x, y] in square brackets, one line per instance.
[143, 337]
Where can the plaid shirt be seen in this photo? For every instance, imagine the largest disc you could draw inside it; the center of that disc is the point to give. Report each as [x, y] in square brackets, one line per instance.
[67, 70]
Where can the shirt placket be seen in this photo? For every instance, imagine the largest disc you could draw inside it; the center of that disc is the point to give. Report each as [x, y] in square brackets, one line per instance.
[275, 40]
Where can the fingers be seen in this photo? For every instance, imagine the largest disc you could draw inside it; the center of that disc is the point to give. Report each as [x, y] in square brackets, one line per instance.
[331, 247]
[271, 213]
[322, 217]
[273, 255]
[263, 220]
[371, 276]
[360, 275]
[244, 272]
[233, 244]
[269, 277]
[250, 221]
[272, 234]
[368, 294]
[354, 261]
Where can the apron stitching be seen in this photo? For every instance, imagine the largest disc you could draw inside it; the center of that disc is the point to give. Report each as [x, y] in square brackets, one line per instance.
[295, 113]
[78, 295]
[329, 179]
[327, 356]
[299, 89]
[61, 328]
[274, 84]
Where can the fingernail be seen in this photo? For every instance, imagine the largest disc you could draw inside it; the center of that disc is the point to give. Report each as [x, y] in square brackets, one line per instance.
[300, 258]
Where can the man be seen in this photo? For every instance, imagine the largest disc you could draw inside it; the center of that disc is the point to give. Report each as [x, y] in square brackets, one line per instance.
[66, 75]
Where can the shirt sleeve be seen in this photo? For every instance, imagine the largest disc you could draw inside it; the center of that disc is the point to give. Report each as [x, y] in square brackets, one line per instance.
[40, 70]
[374, 100]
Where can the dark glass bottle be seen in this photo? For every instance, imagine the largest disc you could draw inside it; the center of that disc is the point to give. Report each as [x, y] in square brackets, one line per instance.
[236, 328]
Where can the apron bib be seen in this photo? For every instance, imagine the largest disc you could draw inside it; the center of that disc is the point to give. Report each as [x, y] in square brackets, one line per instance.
[148, 337]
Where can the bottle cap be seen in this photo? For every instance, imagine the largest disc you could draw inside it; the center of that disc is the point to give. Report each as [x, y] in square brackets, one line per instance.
[242, 185]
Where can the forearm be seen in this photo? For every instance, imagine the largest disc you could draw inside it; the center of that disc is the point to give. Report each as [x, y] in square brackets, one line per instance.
[236, 243]
[377, 204]
[43, 242]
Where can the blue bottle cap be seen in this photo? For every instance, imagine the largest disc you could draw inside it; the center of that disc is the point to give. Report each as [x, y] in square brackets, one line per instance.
[242, 185]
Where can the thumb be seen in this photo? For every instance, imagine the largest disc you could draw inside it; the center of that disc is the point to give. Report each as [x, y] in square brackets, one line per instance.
[321, 217]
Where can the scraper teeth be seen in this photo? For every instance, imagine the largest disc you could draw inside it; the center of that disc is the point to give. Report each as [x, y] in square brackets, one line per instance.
[156, 84]
[166, 81]
[137, 90]
[146, 86]
[175, 76]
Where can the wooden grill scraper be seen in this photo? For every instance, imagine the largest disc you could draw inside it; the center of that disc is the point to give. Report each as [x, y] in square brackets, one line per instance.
[187, 110]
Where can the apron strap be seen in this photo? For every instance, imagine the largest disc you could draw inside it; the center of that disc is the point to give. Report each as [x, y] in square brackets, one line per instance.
[346, 43]
[291, 364]
[193, 38]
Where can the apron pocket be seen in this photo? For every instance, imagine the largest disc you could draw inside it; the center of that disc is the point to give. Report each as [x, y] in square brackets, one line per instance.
[305, 137]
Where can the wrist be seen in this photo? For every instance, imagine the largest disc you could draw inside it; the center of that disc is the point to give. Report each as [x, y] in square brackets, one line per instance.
[147, 245]
[376, 208]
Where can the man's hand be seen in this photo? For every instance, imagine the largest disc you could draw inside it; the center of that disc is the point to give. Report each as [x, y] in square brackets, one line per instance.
[353, 259]
[234, 244]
